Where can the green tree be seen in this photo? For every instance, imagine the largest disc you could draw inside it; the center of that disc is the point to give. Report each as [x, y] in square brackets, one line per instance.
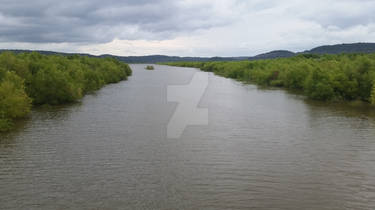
[14, 103]
[373, 94]
[50, 79]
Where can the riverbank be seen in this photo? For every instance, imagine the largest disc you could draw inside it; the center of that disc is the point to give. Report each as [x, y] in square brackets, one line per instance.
[32, 79]
[345, 77]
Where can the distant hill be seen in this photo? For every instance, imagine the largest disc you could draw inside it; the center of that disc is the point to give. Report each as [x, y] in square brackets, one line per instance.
[344, 48]
[273, 55]
[137, 59]
[164, 58]
[327, 49]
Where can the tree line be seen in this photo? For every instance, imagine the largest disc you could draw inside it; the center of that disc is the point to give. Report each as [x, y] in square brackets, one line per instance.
[341, 77]
[28, 79]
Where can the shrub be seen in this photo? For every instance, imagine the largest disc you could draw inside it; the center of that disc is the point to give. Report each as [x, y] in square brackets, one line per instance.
[373, 94]
[321, 77]
[52, 79]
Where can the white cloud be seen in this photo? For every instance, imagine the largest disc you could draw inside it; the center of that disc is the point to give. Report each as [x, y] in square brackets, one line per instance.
[206, 27]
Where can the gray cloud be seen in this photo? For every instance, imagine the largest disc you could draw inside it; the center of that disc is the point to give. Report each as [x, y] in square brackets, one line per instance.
[332, 13]
[183, 27]
[94, 21]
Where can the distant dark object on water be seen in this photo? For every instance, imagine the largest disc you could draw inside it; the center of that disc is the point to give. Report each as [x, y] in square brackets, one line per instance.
[149, 68]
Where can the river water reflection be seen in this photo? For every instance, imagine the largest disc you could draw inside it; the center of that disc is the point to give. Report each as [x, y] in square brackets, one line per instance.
[262, 149]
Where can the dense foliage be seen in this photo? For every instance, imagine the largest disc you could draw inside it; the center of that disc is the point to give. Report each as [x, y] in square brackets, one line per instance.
[149, 68]
[32, 78]
[321, 77]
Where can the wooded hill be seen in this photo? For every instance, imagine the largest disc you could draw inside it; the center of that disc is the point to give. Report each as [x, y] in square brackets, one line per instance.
[327, 49]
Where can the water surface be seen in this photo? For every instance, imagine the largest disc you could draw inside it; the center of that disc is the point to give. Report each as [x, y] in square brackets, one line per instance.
[262, 149]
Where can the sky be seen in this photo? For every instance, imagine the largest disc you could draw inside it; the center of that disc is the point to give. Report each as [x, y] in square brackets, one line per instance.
[183, 27]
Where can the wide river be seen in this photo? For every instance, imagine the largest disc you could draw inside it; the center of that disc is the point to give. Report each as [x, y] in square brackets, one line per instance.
[261, 149]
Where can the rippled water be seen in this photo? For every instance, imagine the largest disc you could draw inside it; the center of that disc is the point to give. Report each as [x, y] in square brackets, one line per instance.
[262, 149]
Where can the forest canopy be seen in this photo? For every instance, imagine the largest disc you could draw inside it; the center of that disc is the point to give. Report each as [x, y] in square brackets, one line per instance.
[322, 77]
[28, 79]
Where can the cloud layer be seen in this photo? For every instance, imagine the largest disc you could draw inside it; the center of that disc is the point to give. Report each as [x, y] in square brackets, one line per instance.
[183, 27]
[94, 21]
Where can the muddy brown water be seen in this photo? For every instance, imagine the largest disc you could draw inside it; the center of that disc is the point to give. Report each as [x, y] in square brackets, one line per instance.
[262, 149]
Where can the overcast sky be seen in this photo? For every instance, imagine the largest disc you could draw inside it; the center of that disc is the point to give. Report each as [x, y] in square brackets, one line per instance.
[183, 27]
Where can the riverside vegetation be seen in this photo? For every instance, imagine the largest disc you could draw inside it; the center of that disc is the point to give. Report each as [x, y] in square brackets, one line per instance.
[28, 79]
[341, 77]
[149, 68]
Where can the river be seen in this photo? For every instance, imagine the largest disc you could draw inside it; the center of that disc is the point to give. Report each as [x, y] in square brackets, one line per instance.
[261, 149]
